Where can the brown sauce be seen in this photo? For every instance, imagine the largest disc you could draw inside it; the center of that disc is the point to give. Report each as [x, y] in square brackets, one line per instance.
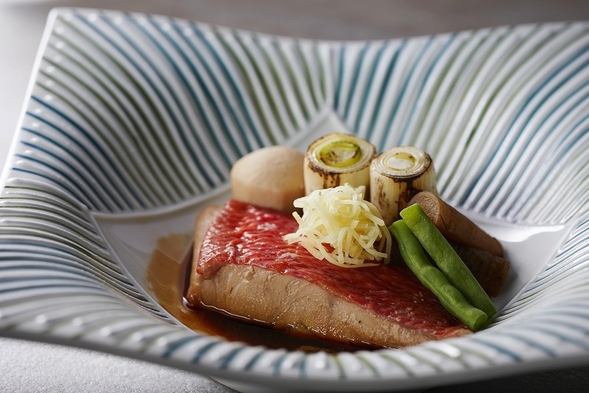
[167, 276]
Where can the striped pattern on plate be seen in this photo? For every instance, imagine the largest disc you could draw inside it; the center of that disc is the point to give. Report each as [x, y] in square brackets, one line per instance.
[133, 116]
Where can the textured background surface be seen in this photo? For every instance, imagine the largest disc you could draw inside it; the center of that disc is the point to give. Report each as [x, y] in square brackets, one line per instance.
[34, 367]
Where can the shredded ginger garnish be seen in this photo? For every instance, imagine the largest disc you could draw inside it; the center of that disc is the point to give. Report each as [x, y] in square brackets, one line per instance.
[340, 226]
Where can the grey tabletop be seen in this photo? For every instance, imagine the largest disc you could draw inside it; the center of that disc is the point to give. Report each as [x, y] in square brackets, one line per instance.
[38, 367]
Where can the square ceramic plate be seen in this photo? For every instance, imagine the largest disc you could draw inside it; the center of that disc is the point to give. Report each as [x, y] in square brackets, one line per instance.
[132, 123]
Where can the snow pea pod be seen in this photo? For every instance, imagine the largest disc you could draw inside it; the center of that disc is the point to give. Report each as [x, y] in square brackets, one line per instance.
[432, 278]
[446, 258]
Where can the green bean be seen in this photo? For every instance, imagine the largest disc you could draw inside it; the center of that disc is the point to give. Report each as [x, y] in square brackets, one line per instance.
[432, 278]
[446, 258]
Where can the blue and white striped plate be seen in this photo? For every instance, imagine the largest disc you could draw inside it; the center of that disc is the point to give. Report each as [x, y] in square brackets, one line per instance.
[132, 123]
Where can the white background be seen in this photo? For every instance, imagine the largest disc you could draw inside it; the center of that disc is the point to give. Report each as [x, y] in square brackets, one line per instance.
[35, 367]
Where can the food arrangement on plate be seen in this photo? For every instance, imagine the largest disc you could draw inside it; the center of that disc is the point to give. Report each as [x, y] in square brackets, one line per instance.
[501, 111]
[345, 245]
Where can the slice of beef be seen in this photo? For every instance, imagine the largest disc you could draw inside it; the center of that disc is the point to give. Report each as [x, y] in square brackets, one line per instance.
[244, 269]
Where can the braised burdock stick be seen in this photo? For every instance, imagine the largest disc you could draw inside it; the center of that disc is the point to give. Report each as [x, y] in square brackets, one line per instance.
[489, 270]
[456, 226]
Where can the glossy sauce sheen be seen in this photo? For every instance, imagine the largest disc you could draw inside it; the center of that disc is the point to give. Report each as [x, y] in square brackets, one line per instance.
[247, 235]
[166, 278]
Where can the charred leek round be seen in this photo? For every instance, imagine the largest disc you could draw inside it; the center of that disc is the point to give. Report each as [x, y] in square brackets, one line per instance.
[396, 175]
[337, 159]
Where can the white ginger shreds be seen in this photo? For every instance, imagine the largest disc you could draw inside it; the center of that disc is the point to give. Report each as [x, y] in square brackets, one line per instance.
[340, 226]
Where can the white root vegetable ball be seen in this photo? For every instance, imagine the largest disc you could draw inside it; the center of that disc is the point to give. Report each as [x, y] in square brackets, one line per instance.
[270, 177]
